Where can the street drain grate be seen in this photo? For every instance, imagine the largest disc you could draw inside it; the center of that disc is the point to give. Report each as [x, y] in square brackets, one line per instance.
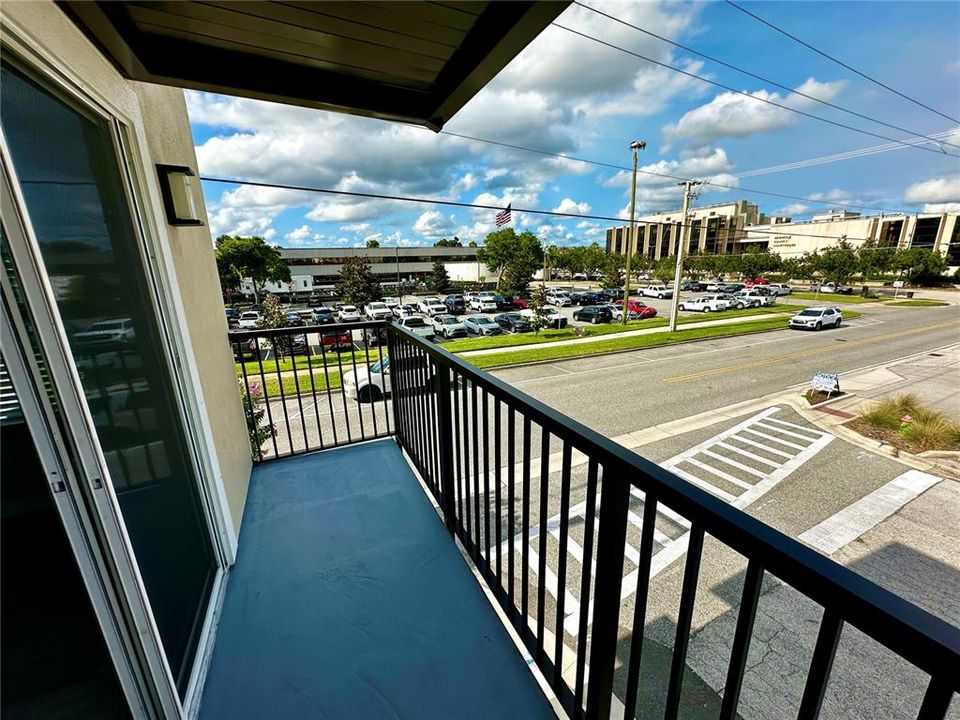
[935, 354]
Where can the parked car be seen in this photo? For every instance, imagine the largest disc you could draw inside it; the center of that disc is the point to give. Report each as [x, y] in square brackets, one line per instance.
[713, 286]
[593, 314]
[612, 293]
[558, 298]
[314, 301]
[436, 307]
[513, 322]
[589, 297]
[424, 303]
[368, 384]
[243, 350]
[779, 289]
[705, 303]
[730, 288]
[836, 288]
[816, 318]
[232, 316]
[734, 301]
[106, 334]
[480, 325]
[503, 302]
[753, 282]
[377, 311]
[392, 302]
[348, 313]
[448, 326]
[521, 302]
[580, 276]
[692, 286]
[418, 326]
[660, 292]
[553, 318]
[336, 339]
[248, 320]
[402, 311]
[752, 298]
[484, 302]
[299, 345]
[322, 316]
[292, 318]
[455, 304]
[374, 336]
[616, 312]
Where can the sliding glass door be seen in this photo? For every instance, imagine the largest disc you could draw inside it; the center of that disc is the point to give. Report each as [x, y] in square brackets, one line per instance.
[67, 165]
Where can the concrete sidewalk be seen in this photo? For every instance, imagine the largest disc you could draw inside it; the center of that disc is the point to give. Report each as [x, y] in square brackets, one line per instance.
[627, 333]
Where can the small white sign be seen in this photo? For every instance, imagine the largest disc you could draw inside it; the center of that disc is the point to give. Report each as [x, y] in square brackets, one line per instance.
[826, 382]
[898, 283]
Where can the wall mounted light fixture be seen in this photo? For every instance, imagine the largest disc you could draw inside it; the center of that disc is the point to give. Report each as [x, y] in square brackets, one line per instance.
[178, 186]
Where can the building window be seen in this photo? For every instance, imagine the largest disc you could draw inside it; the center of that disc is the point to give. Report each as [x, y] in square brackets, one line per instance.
[925, 233]
[953, 249]
[890, 234]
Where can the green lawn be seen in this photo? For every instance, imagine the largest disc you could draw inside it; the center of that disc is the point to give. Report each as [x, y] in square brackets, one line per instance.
[346, 359]
[271, 387]
[832, 298]
[917, 303]
[568, 333]
[540, 354]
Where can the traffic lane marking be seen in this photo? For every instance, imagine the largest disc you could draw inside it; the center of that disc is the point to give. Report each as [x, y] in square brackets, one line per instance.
[804, 353]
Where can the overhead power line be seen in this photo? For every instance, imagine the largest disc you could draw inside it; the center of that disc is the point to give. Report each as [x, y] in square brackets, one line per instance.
[788, 89]
[483, 206]
[830, 57]
[665, 176]
[728, 88]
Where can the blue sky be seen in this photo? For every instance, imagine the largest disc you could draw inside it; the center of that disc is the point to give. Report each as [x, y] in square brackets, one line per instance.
[568, 95]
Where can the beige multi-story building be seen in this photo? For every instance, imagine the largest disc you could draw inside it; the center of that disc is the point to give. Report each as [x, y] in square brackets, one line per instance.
[714, 229]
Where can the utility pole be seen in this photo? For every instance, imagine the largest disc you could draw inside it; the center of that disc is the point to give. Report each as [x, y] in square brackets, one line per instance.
[688, 192]
[636, 146]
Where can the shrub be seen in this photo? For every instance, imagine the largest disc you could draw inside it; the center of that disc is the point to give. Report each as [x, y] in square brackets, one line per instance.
[887, 412]
[254, 411]
[932, 430]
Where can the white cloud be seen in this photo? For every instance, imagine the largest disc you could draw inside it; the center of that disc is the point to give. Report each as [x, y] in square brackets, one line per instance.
[730, 114]
[941, 207]
[434, 225]
[792, 210]
[355, 227]
[571, 206]
[935, 190]
[298, 235]
[270, 234]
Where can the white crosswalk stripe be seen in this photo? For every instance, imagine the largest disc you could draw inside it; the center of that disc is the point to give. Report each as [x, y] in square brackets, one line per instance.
[731, 459]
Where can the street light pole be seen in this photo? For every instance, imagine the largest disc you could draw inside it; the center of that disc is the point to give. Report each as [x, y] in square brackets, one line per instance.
[636, 146]
[681, 244]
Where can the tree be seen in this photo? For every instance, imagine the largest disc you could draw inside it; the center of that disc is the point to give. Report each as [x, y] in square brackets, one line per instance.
[594, 259]
[472, 243]
[449, 243]
[439, 279]
[613, 271]
[373, 243]
[838, 263]
[664, 269]
[522, 254]
[249, 257]
[754, 263]
[272, 317]
[538, 303]
[873, 261]
[920, 265]
[357, 285]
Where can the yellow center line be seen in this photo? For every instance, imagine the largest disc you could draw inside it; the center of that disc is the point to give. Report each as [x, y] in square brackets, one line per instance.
[803, 353]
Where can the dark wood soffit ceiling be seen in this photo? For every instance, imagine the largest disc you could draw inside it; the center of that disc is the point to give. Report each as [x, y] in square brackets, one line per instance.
[416, 62]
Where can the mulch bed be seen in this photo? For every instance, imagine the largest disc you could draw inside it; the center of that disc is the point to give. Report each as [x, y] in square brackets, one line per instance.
[818, 396]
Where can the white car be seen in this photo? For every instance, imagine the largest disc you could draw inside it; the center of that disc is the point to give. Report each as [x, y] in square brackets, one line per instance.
[448, 326]
[558, 298]
[554, 318]
[660, 292]
[248, 320]
[713, 286]
[779, 289]
[377, 311]
[817, 318]
[391, 302]
[109, 332]
[348, 313]
[706, 303]
[368, 384]
[424, 303]
[418, 326]
[435, 307]
[484, 302]
[752, 298]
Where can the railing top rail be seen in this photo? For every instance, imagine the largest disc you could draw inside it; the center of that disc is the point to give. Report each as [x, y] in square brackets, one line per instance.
[920, 637]
[235, 335]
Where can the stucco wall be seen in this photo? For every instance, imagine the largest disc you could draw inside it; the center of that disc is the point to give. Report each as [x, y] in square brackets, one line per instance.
[159, 132]
[169, 141]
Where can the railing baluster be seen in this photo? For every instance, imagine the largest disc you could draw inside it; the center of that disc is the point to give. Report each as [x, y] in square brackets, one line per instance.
[511, 501]
[486, 482]
[246, 386]
[823, 653]
[445, 429]
[359, 405]
[283, 396]
[373, 400]
[326, 384]
[562, 563]
[458, 455]
[741, 640]
[383, 397]
[649, 524]
[395, 403]
[296, 385]
[585, 574]
[688, 596]
[313, 392]
[544, 507]
[496, 484]
[936, 700]
[474, 414]
[525, 529]
[266, 399]
[466, 468]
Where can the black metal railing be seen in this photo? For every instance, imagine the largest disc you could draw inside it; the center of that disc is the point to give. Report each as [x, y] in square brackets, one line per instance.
[474, 441]
[312, 387]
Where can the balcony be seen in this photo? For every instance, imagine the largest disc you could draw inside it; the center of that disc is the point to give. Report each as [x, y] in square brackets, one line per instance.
[350, 599]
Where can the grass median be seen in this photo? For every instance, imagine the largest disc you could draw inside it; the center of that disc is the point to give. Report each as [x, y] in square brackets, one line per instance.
[917, 303]
[321, 378]
[833, 298]
[333, 359]
[614, 328]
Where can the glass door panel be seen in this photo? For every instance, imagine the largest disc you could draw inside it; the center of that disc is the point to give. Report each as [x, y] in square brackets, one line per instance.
[67, 165]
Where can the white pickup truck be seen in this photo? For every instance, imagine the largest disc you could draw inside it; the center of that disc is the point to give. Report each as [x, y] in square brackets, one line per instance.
[377, 311]
[752, 298]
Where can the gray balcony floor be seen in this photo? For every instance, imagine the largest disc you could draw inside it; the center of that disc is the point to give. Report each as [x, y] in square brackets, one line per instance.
[349, 600]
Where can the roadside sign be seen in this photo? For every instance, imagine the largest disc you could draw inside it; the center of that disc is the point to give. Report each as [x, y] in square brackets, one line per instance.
[898, 283]
[826, 382]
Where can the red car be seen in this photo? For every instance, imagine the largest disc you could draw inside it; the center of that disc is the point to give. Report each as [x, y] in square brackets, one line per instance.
[337, 340]
[756, 281]
[642, 310]
[521, 303]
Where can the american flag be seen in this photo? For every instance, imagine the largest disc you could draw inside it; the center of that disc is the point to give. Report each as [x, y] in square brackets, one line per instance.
[503, 217]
